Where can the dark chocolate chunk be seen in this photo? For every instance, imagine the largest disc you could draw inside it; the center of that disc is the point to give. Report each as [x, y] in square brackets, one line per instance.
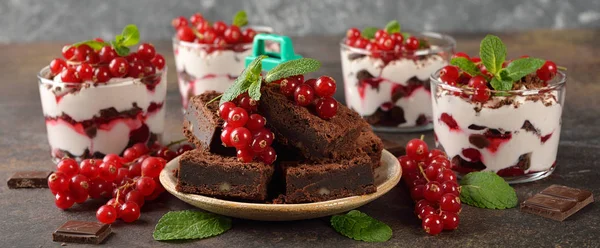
[395, 148]
[354, 56]
[83, 232]
[29, 179]
[557, 202]
[364, 74]
[527, 126]
[476, 127]
[479, 141]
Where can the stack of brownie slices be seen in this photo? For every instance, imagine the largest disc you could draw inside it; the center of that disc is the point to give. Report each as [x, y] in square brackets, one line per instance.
[318, 159]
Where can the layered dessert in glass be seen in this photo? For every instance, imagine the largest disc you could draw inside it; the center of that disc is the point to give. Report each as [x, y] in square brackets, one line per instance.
[210, 56]
[99, 99]
[386, 77]
[509, 124]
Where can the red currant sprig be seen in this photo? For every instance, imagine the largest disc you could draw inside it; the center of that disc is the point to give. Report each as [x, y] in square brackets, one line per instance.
[219, 34]
[318, 92]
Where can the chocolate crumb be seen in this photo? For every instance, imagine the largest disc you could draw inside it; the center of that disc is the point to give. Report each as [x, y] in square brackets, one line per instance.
[364, 74]
[479, 140]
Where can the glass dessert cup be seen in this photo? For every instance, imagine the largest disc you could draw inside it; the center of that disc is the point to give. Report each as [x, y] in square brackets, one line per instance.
[204, 67]
[391, 89]
[515, 133]
[90, 120]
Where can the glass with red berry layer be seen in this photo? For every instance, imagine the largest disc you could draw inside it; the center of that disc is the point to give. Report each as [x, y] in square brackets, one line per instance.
[100, 98]
[497, 115]
[386, 75]
[211, 56]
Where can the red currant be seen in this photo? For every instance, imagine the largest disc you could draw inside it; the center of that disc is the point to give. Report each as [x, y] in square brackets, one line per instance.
[58, 182]
[166, 154]
[412, 43]
[260, 143]
[129, 212]
[352, 34]
[179, 21]
[208, 36]
[248, 104]
[450, 220]
[433, 191]
[425, 211]
[268, 156]
[248, 35]
[57, 65]
[79, 183]
[288, 85]
[256, 122]
[416, 193]
[360, 43]
[481, 94]
[89, 168]
[240, 137]
[100, 188]
[226, 136]
[325, 86]
[146, 51]
[373, 50]
[135, 196]
[68, 51]
[196, 18]
[266, 133]
[432, 224]
[446, 175]
[92, 58]
[434, 153]
[237, 117]
[432, 171]
[303, 95]
[68, 166]
[134, 170]
[547, 71]
[203, 26]
[460, 54]
[422, 203]
[108, 170]
[407, 164]
[118, 67]
[398, 37]
[106, 214]
[130, 154]
[451, 187]
[145, 185]
[184, 148]
[152, 166]
[101, 75]
[476, 60]
[63, 200]
[158, 61]
[245, 155]
[416, 149]
[225, 108]
[449, 73]
[186, 33]
[81, 52]
[380, 33]
[232, 34]
[69, 75]
[326, 107]
[219, 27]
[107, 54]
[450, 203]
[386, 43]
[85, 72]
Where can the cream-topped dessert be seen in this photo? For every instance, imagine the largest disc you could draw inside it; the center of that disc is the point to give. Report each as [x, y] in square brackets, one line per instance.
[509, 126]
[210, 56]
[386, 76]
[100, 99]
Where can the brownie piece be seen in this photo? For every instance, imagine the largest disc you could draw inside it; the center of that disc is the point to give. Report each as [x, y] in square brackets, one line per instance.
[201, 172]
[202, 124]
[327, 181]
[300, 127]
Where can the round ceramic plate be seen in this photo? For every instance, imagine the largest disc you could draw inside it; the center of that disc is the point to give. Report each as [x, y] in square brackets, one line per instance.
[386, 177]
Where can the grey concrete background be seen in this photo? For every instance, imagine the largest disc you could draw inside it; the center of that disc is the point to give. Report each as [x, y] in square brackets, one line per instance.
[35, 20]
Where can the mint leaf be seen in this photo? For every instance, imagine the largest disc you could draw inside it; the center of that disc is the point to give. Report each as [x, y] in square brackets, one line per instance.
[291, 68]
[121, 50]
[523, 67]
[493, 53]
[241, 84]
[254, 90]
[130, 36]
[487, 190]
[94, 44]
[466, 65]
[501, 84]
[190, 225]
[359, 226]
[392, 27]
[240, 19]
[369, 32]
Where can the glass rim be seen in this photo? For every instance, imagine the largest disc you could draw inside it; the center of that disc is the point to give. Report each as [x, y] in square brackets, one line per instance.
[46, 81]
[449, 44]
[557, 82]
[264, 29]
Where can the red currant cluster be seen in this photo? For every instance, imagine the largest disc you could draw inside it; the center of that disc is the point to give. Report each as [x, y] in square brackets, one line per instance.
[218, 33]
[86, 64]
[384, 44]
[318, 92]
[245, 130]
[129, 180]
[433, 186]
[481, 90]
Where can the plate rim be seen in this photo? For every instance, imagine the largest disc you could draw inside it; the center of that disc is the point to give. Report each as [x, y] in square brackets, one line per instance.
[168, 180]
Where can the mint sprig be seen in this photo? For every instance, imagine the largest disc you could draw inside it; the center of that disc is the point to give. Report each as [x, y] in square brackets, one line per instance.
[291, 68]
[392, 27]
[369, 32]
[250, 75]
[466, 65]
[359, 226]
[492, 53]
[487, 190]
[128, 37]
[240, 19]
[181, 225]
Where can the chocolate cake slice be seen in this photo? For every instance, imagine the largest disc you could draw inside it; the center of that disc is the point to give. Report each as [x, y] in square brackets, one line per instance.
[209, 174]
[202, 124]
[331, 180]
[301, 128]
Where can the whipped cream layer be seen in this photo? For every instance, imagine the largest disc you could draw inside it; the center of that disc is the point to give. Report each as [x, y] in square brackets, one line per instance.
[199, 70]
[531, 124]
[367, 99]
[130, 105]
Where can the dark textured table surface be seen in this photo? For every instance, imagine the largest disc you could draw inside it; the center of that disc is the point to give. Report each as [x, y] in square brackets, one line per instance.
[28, 216]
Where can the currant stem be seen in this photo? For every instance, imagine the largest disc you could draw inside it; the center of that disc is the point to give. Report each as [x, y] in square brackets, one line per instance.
[422, 136]
[214, 99]
[562, 68]
[423, 171]
[175, 142]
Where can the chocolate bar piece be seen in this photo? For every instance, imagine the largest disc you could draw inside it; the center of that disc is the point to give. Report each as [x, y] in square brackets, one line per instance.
[557, 202]
[394, 148]
[83, 232]
[29, 179]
